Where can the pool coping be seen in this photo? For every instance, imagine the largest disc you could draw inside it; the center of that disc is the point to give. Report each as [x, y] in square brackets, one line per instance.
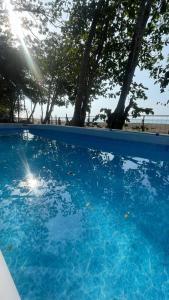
[143, 137]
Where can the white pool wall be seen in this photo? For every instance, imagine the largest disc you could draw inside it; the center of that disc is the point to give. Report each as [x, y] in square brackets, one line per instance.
[8, 289]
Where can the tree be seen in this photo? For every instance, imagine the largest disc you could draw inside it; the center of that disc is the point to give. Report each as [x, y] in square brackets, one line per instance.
[82, 97]
[53, 86]
[144, 51]
[91, 42]
[19, 77]
[12, 77]
[33, 91]
[117, 119]
[84, 75]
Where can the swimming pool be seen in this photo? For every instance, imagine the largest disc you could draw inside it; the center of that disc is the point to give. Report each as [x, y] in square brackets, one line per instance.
[84, 218]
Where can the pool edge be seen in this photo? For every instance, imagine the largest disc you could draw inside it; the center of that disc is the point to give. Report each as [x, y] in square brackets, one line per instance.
[149, 138]
[8, 290]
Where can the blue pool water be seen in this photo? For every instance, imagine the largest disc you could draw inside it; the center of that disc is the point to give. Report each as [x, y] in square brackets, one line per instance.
[82, 223]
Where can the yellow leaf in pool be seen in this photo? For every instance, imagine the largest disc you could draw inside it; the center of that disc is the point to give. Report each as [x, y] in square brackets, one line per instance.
[126, 215]
[9, 247]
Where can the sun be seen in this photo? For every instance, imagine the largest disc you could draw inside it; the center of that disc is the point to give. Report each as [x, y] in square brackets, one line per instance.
[30, 182]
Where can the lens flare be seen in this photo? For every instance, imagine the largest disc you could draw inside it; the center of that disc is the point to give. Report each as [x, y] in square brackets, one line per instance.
[14, 20]
[17, 31]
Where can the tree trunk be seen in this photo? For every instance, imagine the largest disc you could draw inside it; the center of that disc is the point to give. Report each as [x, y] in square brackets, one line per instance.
[50, 107]
[25, 109]
[12, 110]
[97, 55]
[49, 103]
[47, 111]
[11, 115]
[18, 108]
[48, 114]
[116, 120]
[82, 91]
[32, 112]
[41, 106]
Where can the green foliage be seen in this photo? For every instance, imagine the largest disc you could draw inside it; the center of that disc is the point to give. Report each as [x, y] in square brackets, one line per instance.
[137, 111]
[103, 115]
[12, 77]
